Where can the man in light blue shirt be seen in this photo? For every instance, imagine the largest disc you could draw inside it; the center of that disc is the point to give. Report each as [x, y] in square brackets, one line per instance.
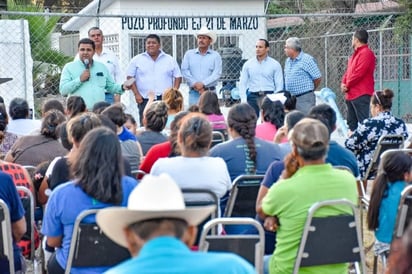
[87, 78]
[302, 75]
[154, 71]
[260, 75]
[158, 229]
[202, 67]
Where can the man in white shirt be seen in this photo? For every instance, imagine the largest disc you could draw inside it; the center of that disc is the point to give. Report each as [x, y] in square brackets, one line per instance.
[154, 71]
[108, 58]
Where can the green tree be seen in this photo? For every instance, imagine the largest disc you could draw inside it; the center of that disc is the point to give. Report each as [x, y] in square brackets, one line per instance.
[48, 62]
[404, 22]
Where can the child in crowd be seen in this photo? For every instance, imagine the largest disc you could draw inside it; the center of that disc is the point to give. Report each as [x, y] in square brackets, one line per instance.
[273, 116]
[395, 174]
[209, 105]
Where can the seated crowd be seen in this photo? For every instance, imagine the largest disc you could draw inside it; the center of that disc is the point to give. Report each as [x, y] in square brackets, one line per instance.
[99, 160]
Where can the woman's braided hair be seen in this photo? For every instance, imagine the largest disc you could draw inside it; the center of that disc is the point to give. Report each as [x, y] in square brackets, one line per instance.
[242, 118]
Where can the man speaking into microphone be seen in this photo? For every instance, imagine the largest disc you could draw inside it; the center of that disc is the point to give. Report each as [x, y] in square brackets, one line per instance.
[87, 78]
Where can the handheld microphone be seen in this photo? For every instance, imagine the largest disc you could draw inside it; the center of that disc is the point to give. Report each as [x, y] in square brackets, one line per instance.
[86, 63]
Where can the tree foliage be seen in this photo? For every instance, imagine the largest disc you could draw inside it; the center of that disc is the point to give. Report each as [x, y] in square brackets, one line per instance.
[404, 22]
[311, 6]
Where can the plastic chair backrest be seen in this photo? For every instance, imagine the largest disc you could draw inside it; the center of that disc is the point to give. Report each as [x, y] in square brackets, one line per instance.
[217, 138]
[249, 246]
[212, 199]
[342, 233]
[385, 142]
[242, 198]
[28, 205]
[89, 247]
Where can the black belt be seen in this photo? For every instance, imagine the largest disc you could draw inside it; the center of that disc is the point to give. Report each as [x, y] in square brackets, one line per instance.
[209, 88]
[263, 92]
[157, 98]
[306, 92]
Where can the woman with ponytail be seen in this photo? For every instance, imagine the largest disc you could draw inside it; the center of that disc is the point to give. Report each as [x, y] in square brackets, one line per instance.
[245, 154]
[194, 169]
[394, 175]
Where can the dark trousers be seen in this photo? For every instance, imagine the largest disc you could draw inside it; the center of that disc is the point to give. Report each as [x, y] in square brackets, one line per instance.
[53, 267]
[142, 106]
[358, 110]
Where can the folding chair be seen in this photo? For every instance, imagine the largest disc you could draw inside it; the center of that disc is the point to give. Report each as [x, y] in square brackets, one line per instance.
[217, 138]
[6, 242]
[332, 239]
[242, 197]
[28, 204]
[385, 142]
[211, 199]
[89, 247]
[249, 246]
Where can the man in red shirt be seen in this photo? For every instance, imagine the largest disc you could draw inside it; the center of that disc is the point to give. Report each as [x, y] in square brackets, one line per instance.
[358, 82]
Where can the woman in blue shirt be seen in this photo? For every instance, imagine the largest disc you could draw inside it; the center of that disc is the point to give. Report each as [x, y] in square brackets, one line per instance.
[99, 182]
[396, 173]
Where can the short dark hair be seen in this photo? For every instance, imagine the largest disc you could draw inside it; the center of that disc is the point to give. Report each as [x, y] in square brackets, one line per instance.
[98, 107]
[116, 114]
[266, 42]
[18, 108]
[94, 28]
[52, 104]
[146, 228]
[325, 114]
[362, 36]
[152, 36]
[293, 117]
[86, 41]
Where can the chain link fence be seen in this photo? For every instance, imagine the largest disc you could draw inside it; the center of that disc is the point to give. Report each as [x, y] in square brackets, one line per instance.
[327, 37]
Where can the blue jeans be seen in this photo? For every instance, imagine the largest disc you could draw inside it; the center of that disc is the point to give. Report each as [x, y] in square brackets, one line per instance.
[193, 97]
[255, 101]
[109, 98]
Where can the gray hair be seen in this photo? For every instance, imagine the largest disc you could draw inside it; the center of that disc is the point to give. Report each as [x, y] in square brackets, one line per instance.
[294, 43]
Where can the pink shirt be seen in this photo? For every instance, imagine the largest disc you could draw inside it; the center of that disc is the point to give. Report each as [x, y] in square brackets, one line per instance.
[266, 131]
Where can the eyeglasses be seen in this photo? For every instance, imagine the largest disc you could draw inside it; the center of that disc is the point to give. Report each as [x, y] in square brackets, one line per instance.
[377, 97]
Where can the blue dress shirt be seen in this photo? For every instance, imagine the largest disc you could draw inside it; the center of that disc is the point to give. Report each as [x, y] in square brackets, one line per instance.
[257, 76]
[202, 68]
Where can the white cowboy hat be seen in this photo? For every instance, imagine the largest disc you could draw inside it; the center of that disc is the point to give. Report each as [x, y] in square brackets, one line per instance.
[205, 31]
[154, 197]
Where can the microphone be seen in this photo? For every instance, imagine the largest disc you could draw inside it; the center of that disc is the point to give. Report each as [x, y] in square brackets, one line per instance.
[86, 63]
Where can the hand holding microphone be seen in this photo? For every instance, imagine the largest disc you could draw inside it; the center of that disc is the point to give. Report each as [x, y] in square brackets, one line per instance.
[86, 73]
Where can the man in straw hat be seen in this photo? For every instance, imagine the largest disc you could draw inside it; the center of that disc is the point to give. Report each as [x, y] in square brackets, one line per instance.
[157, 229]
[307, 179]
[202, 67]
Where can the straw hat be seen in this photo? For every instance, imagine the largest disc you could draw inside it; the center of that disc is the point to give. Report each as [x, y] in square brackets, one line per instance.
[205, 31]
[153, 198]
